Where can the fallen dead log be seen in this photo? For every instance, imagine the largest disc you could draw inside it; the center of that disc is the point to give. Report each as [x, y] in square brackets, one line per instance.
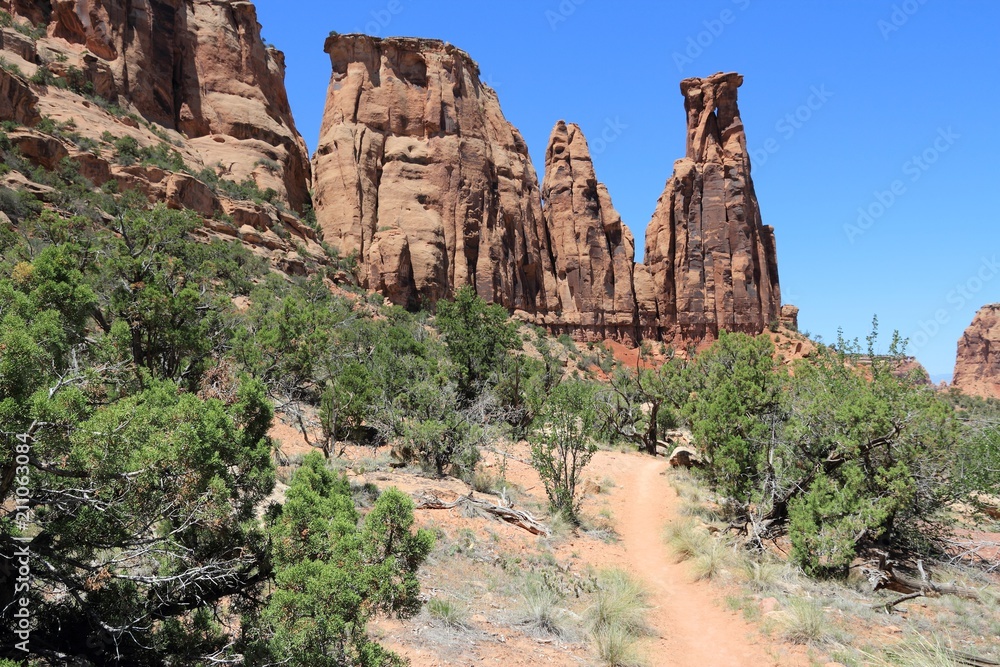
[519, 518]
[971, 660]
[886, 577]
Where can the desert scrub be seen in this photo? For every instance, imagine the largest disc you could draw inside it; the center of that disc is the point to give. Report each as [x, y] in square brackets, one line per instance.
[714, 559]
[920, 651]
[617, 618]
[759, 574]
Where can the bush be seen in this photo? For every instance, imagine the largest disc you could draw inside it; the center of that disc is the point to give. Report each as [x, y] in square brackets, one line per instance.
[126, 150]
[478, 337]
[540, 607]
[561, 446]
[19, 205]
[333, 575]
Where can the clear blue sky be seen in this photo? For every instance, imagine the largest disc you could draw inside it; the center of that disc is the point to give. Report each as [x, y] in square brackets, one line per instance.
[887, 80]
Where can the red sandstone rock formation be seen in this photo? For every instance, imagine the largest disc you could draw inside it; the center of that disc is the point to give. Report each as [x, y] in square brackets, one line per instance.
[712, 262]
[195, 66]
[977, 364]
[592, 250]
[419, 173]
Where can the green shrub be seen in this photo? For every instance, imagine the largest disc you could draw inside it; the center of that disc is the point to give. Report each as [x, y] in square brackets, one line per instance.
[561, 446]
[127, 150]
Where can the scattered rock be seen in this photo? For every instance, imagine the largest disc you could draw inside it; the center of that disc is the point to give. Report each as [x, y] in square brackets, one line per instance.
[684, 457]
[768, 606]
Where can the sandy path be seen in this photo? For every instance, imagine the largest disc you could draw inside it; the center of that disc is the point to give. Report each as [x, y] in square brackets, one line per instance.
[694, 629]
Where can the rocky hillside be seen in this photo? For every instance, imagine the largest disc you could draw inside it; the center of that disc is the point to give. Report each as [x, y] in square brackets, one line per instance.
[977, 364]
[418, 177]
[420, 174]
[180, 100]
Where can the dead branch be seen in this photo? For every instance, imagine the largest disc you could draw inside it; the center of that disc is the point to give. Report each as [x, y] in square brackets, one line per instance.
[888, 578]
[509, 514]
[888, 606]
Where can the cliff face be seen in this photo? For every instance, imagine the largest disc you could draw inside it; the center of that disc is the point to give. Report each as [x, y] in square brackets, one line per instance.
[195, 66]
[977, 363]
[712, 262]
[418, 172]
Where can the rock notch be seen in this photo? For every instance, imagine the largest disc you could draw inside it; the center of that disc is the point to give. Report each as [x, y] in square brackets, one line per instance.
[712, 262]
[977, 363]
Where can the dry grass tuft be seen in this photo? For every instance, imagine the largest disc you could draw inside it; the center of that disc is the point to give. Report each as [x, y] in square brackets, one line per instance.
[618, 618]
[450, 612]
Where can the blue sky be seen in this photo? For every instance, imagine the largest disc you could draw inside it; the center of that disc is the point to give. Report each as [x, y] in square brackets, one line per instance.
[874, 125]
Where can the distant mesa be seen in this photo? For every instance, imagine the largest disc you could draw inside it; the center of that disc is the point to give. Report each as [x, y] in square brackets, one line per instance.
[977, 363]
[419, 174]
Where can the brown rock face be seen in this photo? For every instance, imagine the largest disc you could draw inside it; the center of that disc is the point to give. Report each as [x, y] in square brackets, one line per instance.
[593, 252]
[977, 365]
[418, 172]
[197, 66]
[420, 175]
[17, 102]
[712, 262]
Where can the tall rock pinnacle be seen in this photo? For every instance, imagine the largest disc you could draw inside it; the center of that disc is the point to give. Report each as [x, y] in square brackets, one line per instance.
[592, 250]
[712, 262]
[419, 174]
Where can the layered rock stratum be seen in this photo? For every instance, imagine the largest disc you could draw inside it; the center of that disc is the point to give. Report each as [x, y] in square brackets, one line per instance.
[196, 66]
[977, 362]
